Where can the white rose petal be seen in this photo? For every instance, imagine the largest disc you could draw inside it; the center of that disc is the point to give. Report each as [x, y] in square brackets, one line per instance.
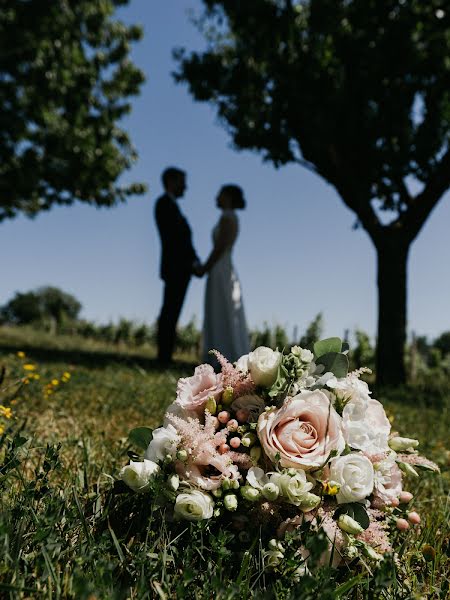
[366, 426]
[263, 365]
[164, 442]
[137, 475]
[194, 506]
[257, 478]
[354, 474]
[242, 364]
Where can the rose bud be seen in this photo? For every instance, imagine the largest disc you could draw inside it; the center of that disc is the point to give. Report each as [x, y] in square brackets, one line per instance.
[401, 444]
[224, 417]
[402, 524]
[250, 493]
[414, 518]
[232, 425]
[271, 491]
[223, 448]
[182, 455]
[405, 497]
[227, 396]
[235, 442]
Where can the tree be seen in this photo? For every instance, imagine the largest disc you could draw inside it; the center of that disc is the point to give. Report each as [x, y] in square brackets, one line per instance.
[65, 78]
[354, 90]
[45, 303]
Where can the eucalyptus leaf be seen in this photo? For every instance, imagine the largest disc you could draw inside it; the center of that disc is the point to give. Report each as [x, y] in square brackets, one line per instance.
[141, 437]
[334, 362]
[333, 344]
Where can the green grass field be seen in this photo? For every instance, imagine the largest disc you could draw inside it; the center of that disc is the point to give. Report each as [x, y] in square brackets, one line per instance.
[59, 541]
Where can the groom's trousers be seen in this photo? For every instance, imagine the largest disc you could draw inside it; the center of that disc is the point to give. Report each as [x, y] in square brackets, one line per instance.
[175, 288]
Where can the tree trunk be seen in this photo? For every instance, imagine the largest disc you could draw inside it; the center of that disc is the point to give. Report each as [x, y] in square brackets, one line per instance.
[392, 252]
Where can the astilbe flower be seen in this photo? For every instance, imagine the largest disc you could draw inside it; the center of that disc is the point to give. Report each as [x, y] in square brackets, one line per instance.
[242, 383]
[417, 460]
[376, 535]
[202, 442]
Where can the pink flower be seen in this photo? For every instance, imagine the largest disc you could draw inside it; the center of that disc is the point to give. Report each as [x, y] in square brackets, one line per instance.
[301, 433]
[193, 392]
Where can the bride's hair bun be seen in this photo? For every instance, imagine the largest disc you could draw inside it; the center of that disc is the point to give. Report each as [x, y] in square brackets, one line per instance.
[235, 193]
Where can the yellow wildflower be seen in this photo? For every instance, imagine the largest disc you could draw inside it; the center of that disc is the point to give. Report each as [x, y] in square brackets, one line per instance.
[67, 375]
[36, 376]
[2, 429]
[55, 382]
[5, 411]
[26, 381]
[29, 367]
[21, 354]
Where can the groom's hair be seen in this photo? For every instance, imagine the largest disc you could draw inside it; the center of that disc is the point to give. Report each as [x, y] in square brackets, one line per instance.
[171, 173]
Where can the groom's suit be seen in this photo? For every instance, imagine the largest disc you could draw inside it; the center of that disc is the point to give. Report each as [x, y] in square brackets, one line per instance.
[177, 260]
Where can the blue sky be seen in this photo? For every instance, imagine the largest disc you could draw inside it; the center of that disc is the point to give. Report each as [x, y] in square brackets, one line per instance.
[297, 254]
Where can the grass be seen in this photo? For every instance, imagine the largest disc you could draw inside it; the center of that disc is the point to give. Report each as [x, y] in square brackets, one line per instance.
[64, 535]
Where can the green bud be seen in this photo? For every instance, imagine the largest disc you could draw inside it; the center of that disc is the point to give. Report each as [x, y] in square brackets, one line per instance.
[217, 493]
[230, 502]
[271, 491]
[182, 455]
[250, 493]
[168, 458]
[211, 405]
[401, 444]
[227, 395]
[349, 525]
[408, 469]
[226, 483]
[292, 472]
[234, 484]
[248, 439]
[371, 553]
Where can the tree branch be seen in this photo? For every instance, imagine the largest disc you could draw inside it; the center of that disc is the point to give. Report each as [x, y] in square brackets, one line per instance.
[422, 204]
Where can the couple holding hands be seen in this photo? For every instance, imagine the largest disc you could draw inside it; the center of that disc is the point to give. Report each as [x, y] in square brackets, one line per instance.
[224, 324]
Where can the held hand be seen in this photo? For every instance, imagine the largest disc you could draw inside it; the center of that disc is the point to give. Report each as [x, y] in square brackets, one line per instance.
[198, 269]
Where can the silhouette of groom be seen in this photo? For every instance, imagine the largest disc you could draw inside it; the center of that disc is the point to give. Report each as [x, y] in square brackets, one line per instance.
[178, 259]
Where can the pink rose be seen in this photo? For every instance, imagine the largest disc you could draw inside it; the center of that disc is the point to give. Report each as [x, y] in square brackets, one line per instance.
[302, 432]
[193, 392]
[387, 482]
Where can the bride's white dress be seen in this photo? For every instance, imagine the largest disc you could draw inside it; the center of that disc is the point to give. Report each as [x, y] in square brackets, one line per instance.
[225, 327]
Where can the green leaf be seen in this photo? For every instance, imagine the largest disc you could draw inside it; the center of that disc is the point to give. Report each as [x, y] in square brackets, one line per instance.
[355, 511]
[141, 437]
[334, 362]
[333, 344]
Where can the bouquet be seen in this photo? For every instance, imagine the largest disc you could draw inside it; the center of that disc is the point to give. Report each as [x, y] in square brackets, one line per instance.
[289, 441]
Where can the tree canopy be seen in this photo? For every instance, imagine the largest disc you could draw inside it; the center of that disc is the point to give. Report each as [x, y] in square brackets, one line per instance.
[39, 305]
[65, 80]
[357, 91]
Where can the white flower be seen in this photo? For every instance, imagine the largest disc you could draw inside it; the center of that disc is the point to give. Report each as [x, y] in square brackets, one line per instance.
[366, 426]
[293, 487]
[263, 365]
[137, 475]
[354, 474]
[164, 442]
[194, 506]
[257, 478]
[242, 364]
[349, 388]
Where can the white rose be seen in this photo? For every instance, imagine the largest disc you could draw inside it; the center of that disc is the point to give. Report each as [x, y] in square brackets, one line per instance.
[137, 475]
[164, 442]
[354, 474]
[194, 506]
[306, 356]
[366, 426]
[293, 487]
[349, 388]
[242, 364]
[263, 365]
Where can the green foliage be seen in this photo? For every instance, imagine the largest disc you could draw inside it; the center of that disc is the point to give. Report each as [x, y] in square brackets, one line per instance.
[65, 80]
[141, 437]
[39, 305]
